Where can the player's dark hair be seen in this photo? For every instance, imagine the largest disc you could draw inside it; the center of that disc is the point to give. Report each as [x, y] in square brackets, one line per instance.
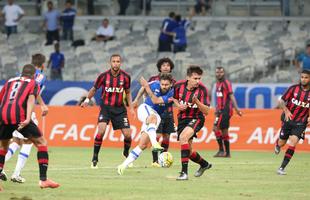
[38, 59]
[171, 14]
[161, 61]
[28, 70]
[115, 55]
[69, 1]
[50, 2]
[305, 71]
[194, 69]
[178, 18]
[166, 76]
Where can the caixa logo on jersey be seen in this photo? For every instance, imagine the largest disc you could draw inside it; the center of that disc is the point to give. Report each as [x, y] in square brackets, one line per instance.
[256, 95]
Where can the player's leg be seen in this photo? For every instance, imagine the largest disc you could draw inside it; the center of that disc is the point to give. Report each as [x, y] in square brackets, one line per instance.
[135, 153]
[14, 146]
[226, 142]
[283, 137]
[155, 153]
[97, 143]
[4, 146]
[127, 141]
[184, 138]
[21, 161]
[218, 136]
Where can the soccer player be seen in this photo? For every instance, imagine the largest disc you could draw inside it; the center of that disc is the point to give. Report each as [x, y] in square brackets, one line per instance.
[295, 117]
[18, 139]
[192, 100]
[17, 100]
[166, 126]
[225, 101]
[157, 102]
[113, 83]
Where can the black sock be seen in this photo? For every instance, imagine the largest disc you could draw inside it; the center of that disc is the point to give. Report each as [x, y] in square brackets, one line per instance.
[97, 146]
[185, 151]
[127, 145]
[42, 156]
[226, 144]
[165, 144]
[195, 157]
[155, 156]
[219, 139]
[288, 155]
[2, 159]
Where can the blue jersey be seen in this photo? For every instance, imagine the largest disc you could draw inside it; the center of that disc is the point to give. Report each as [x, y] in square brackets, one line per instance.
[159, 108]
[168, 25]
[180, 38]
[305, 59]
[40, 78]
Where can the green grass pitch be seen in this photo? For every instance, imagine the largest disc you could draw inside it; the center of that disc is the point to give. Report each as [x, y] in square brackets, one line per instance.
[247, 175]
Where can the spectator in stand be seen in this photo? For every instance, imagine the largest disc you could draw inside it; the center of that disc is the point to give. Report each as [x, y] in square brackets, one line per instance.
[123, 5]
[57, 60]
[147, 6]
[179, 34]
[90, 7]
[12, 14]
[303, 60]
[165, 40]
[51, 23]
[201, 7]
[67, 18]
[105, 32]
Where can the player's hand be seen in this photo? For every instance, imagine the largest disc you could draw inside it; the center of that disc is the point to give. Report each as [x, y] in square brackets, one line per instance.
[143, 82]
[21, 125]
[44, 109]
[288, 115]
[182, 107]
[239, 112]
[135, 104]
[195, 99]
[85, 103]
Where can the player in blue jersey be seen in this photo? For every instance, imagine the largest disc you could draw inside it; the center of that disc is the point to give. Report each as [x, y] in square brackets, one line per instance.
[156, 103]
[19, 141]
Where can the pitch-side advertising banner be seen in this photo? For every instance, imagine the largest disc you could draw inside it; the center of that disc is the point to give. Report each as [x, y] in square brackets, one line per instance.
[75, 126]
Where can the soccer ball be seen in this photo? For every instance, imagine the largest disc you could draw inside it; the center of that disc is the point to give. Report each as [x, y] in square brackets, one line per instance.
[165, 159]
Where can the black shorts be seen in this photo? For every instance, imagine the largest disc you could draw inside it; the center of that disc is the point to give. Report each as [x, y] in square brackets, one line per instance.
[166, 126]
[195, 124]
[31, 130]
[222, 120]
[118, 116]
[292, 128]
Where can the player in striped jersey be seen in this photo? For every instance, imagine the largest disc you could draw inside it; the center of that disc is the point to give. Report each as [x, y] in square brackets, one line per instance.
[295, 103]
[225, 102]
[18, 139]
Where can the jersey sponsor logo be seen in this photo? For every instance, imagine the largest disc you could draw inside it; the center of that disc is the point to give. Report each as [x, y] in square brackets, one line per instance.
[300, 103]
[114, 89]
[191, 105]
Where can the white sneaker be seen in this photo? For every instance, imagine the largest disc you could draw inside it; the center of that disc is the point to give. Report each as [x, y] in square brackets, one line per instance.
[281, 171]
[17, 179]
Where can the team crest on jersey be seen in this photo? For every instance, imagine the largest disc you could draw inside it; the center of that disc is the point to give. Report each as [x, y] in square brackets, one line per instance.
[121, 82]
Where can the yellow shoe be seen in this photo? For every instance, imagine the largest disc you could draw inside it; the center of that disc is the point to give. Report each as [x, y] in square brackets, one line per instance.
[158, 148]
[121, 169]
[155, 164]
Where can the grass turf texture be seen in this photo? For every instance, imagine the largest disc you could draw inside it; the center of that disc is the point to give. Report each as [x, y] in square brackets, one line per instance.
[247, 175]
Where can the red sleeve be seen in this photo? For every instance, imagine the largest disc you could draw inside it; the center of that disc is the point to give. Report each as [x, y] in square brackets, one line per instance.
[229, 88]
[35, 89]
[289, 92]
[204, 97]
[127, 82]
[176, 92]
[2, 92]
[99, 81]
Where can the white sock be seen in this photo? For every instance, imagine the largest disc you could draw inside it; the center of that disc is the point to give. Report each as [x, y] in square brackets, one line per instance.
[151, 131]
[22, 158]
[133, 155]
[12, 149]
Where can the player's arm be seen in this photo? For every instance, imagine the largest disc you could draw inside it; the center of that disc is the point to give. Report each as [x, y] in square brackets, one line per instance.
[90, 95]
[154, 98]
[287, 113]
[202, 107]
[30, 106]
[234, 102]
[2, 93]
[139, 95]
[130, 104]
[41, 102]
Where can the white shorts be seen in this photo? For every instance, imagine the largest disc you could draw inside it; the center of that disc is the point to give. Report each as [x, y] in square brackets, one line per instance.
[18, 134]
[144, 111]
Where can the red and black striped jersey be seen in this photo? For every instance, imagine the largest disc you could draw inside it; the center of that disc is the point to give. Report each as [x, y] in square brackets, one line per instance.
[297, 102]
[157, 77]
[223, 91]
[13, 99]
[185, 96]
[113, 87]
